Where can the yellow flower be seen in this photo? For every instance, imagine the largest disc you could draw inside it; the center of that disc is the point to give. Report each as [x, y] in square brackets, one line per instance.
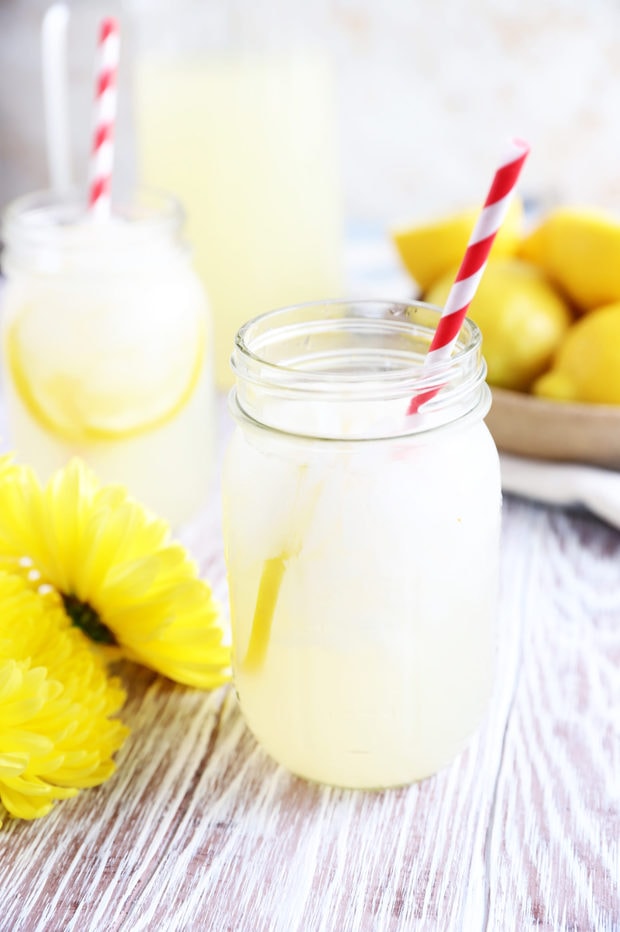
[120, 577]
[56, 702]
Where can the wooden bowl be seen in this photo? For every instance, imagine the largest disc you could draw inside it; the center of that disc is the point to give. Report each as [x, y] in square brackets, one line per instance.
[555, 430]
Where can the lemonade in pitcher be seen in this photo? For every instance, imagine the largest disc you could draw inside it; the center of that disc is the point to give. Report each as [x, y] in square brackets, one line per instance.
[107, 348]
[247, 142]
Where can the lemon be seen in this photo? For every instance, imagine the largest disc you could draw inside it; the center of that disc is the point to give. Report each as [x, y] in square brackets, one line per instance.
[93, 377]
[579, 249]
[586, 367]
[268, 592]
[429, 250]
[521, 316]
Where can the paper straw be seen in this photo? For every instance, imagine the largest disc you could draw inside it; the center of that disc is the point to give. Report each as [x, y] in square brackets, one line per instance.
[474, 261]
[55, 95]
[102, 155]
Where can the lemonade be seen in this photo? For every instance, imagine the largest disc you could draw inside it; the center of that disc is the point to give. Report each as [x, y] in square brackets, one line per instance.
[361, 546]
[247, 144]
[106, 350]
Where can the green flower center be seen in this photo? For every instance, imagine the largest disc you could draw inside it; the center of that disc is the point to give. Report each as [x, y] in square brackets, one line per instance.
[86, 618]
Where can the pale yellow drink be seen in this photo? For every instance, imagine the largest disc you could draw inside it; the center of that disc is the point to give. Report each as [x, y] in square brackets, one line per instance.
[107, 354]
[247, 144]
[362, 550]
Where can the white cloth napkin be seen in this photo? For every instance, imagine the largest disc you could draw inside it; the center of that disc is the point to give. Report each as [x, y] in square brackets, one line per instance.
[597, 490]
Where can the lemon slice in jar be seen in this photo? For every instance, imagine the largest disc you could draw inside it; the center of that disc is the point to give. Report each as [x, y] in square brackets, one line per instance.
[268, 592]
[102, 376]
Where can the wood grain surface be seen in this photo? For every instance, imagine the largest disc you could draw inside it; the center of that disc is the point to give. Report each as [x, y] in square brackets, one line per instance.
[200, 830]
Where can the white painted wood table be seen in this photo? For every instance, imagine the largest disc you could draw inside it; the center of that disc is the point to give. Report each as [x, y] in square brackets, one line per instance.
[200, 830]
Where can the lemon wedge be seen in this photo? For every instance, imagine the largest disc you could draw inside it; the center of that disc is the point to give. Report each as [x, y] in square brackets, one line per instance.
[586, 367]
[429, 250]
[522, 318]
[579, 249]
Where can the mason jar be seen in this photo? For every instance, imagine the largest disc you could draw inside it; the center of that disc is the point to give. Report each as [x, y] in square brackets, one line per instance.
[361, 542]
[106, 347]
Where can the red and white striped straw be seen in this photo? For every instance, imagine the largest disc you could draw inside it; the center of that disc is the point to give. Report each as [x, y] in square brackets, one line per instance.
[102, 154]
[474, 261]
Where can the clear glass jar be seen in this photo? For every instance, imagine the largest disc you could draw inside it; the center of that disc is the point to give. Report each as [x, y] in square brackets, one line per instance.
[361, 543]
[107, 350]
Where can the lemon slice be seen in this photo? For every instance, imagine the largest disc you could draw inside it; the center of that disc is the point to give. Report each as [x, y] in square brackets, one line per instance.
[273, 569]
[126, 389]
[268, 592]
[431, 249]
[580, 250]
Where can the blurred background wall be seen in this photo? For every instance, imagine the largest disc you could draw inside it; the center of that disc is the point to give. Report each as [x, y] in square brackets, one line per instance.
[425, 93]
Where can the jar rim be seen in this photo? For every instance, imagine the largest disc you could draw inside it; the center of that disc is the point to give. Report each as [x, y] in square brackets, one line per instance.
[44, 230]
[341, 353]
[249, 340]
[39, 214]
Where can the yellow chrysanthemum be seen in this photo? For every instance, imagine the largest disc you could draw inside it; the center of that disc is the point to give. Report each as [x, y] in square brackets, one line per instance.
[57, 734]
[121, 579]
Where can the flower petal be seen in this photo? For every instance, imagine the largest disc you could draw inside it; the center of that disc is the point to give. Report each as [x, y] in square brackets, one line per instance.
[57, 730]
